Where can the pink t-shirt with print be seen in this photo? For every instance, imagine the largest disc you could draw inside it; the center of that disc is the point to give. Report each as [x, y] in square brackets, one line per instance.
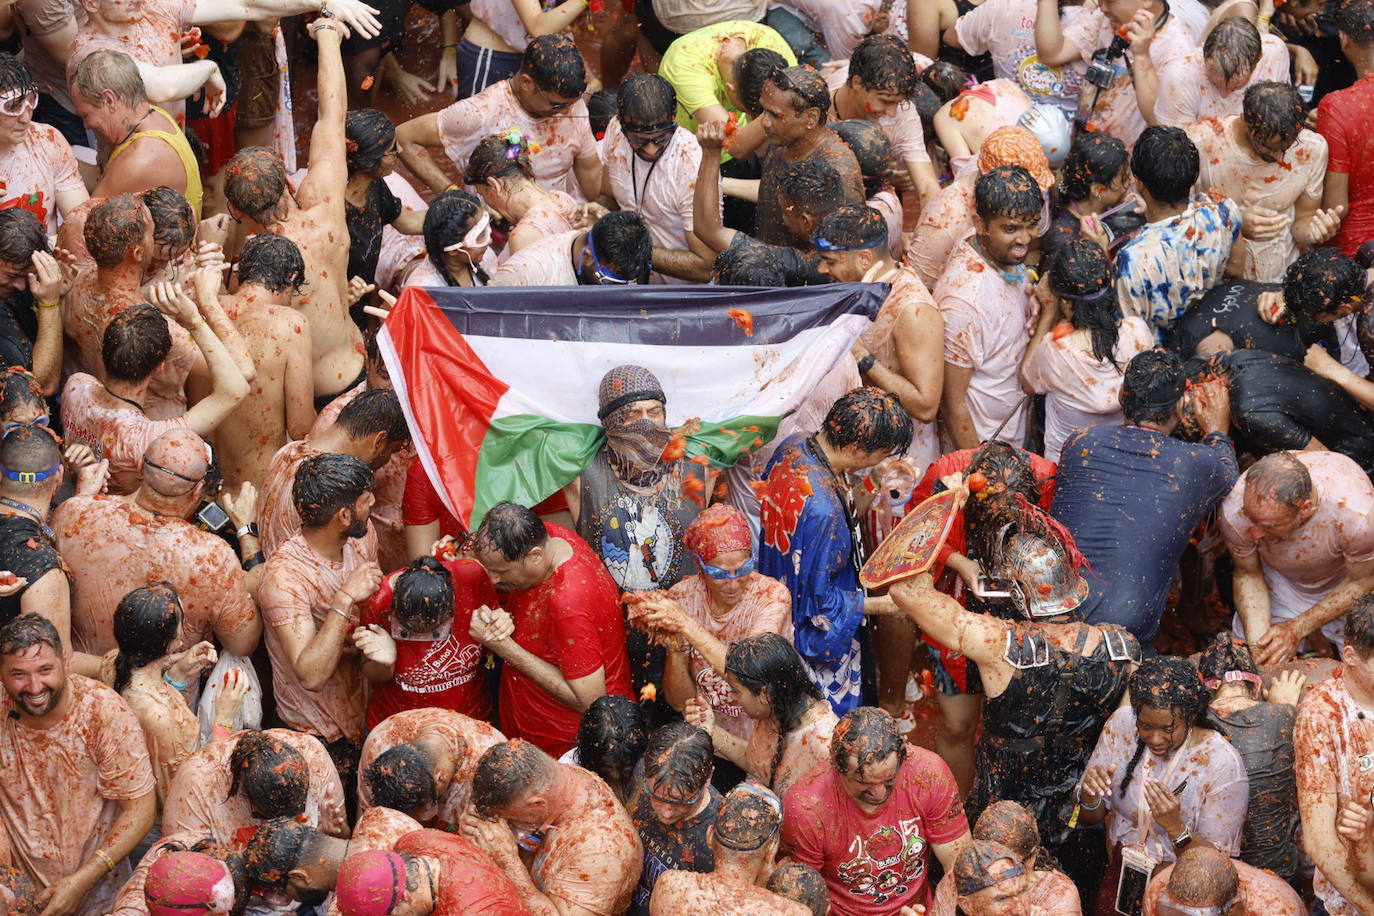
[34, 170]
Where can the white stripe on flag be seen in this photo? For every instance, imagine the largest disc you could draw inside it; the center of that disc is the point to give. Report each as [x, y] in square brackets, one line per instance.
[558, 378]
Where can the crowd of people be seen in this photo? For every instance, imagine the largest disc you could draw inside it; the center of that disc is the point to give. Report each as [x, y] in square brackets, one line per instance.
[254, 661]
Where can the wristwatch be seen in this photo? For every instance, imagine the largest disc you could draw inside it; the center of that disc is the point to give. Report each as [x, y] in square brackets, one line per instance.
[867, 362]
[1183, 839]
[250, 529]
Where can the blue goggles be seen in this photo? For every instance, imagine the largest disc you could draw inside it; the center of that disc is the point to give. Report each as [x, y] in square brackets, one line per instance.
[715, 572]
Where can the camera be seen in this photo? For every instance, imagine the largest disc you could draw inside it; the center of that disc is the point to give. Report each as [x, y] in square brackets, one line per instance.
[1100, 72]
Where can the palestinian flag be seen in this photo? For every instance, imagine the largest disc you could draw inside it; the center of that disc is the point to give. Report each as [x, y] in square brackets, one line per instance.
[499, 383]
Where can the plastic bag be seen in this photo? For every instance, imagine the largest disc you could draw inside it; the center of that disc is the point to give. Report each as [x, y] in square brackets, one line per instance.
[251, 714]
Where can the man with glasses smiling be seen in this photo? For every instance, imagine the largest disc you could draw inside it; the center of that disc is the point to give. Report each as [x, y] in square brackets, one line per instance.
[614, 252]
[543, 100]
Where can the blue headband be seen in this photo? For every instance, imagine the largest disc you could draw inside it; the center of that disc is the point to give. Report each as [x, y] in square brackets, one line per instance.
[823, 245]
[32, 476]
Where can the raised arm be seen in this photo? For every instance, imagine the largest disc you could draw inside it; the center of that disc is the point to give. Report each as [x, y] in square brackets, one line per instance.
[328, 169]
[706, 214]
[1051, 46]
[979, 636]
[228, 384]
[174, 82]
[353, 14]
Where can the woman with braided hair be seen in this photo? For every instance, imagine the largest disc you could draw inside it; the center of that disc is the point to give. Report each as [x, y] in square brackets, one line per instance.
[1050, 679]
[1159, 776]
[1259, 725]
[792, 721]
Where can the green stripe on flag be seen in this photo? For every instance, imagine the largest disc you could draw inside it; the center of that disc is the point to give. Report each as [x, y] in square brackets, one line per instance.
[526, 458]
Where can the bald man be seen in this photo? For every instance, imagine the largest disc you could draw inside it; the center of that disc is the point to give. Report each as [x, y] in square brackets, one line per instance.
[1205, 877]
[116, 544]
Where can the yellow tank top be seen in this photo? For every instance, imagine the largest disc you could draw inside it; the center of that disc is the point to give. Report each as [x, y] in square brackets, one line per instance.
[177, 141]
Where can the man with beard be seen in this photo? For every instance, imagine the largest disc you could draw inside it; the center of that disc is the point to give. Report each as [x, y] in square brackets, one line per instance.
[311, 595]
[78, 792]
[796, 104]
[984, 296]
[371, 427]
[561, 633]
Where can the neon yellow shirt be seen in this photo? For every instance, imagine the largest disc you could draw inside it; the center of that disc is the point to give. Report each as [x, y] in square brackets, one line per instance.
[690, 65]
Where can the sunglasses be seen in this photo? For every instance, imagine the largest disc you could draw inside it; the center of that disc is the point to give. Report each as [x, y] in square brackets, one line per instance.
[715, 572]
[15, 105]
[554, 106]
[643, 137]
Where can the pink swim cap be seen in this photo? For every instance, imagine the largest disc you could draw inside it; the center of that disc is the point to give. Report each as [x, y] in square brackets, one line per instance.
[370, 883]
[188, 884]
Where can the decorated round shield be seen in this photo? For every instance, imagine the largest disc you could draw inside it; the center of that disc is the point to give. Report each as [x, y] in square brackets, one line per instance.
[911, 547]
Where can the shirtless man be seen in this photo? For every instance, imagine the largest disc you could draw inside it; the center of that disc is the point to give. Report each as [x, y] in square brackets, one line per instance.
[117, 544]
[33, 471]
[745, 842]
[226, 789]
[428, 873]
[370, 427]
[964, 122]
[119, 235]
[111, 417]
[439, 747]
[313, 217]
[589, 853]
[279, 407]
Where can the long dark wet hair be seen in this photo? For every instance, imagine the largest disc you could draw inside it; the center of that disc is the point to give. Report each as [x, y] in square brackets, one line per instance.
[1165, 682]
[146, 621]
[768, 665]
[611, 740]
[986, 514]
[1082, 274]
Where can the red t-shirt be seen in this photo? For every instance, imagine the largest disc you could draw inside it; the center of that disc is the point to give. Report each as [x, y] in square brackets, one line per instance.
[470, 883]
[1346, 120]
[874, 864]
[572, 620]
[447, 673]
[421, 504]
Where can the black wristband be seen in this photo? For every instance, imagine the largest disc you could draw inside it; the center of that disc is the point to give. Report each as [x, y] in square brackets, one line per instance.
[256, 559]
[867, 363]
